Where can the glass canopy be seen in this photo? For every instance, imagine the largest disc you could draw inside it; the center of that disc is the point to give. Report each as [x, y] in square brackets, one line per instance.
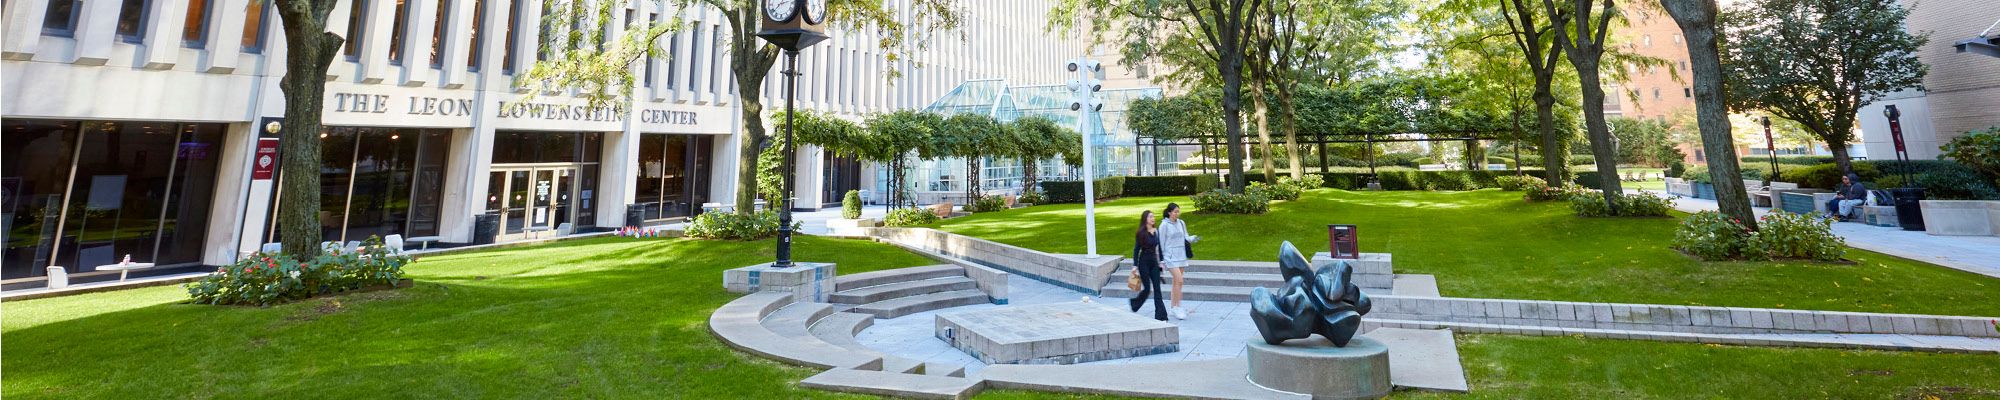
[1115, 148]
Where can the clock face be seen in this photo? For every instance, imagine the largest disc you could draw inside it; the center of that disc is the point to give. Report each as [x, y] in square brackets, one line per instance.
[816, 11]
[780, 10]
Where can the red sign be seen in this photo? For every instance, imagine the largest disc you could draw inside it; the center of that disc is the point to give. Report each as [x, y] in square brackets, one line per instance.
[266, 159]
[1896, 131]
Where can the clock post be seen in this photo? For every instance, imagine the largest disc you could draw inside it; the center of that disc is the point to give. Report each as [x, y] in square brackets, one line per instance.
[790, 25]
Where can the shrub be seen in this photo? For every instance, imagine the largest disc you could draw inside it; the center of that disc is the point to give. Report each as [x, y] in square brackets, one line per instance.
[1550, 192]
[850, 205]
[1711, 236]
[728, 225]
[1697, 174]
[1825, 176]
[987, 204]
[1797, 236]
[1947, 184]
[1281, 191]
[1175, 185]
[1311, 181]
[1513, 183]
[1072, 191]
[1223, 202]
[1447, 181]
[1399, 159]
[1590, 203]
[1030, 198]
[1589, 179]
[911, 216]
[1980, 150]
[1675, 168]
[271, 278]
[1582, 159]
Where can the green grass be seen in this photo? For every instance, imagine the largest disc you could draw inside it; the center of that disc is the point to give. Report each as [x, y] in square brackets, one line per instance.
[626, 318]
[593, 318]
[1490, 244]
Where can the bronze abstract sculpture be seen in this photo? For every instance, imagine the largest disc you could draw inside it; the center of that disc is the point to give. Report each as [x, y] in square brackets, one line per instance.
[1325, 301]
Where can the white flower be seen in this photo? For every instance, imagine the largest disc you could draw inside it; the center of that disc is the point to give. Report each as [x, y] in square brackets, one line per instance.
[295, 274]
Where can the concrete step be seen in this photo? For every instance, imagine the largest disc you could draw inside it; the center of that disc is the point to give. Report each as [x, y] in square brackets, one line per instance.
[892, 384]
[1271, 280]
[884, 277]
[794, 320]
[877, 293]
[1224, 267]
[839, 329]
[902, 306]
[1190, 292]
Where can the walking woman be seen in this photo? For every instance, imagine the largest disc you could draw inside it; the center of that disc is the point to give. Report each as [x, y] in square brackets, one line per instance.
[1146, 260]
[1174, 252]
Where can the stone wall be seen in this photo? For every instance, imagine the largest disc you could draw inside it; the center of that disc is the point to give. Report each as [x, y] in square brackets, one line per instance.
[1961, 217]
[1669, 318]
[1070, 271]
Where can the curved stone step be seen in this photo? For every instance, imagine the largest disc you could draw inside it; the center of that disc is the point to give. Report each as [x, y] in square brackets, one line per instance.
[893, 384]
[902, 306]
[794, 320]
[1190, 292]
[877, 293]
[739, 324]
[1273, 281]
[884, 277]
[839, 329]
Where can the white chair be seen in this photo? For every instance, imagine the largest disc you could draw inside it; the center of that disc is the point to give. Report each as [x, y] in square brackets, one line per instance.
[329, 247]
[394, 243]
[272, 248]
[353, 246]
[564, 229]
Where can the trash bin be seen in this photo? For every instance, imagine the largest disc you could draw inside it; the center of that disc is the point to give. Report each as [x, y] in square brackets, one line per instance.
[635, 215]
[485, 228]
[1909, 209]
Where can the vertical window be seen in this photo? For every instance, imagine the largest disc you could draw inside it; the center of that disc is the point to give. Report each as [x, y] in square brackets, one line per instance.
[438, 33]
[253, 27]
[673, 53]
[132, 21]
[60, 19]
[400, 27]
[1656, 93]
[715, 40]
[194, 33]
[694, 57]
[513, 19]
[356, 16]
[1687, 92]
[478, 40]
[1647, 40]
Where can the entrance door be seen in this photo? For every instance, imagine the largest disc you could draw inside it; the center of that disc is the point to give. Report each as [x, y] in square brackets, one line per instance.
[533, 202]
[842, 174]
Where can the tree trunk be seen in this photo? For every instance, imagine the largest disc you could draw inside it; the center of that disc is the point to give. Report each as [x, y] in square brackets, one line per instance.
[1555, 156]
[1697, 21]
[1263, 107]
[1027, 177]
[1290, 122]
[1841, 158]
[1232, 115]
[971, 180]
[1593, 120]
[309, 51]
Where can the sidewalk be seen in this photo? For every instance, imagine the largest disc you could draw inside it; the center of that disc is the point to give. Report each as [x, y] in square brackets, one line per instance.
[1975, 254]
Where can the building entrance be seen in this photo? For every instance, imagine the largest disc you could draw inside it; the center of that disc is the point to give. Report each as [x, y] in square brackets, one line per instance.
[534, 201]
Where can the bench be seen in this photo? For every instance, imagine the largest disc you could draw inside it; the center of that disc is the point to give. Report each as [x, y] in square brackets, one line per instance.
[125, 269]
[1879, 216]
[1760, 195]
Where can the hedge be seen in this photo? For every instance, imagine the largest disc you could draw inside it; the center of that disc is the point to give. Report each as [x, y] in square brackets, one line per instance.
[1072, 191]
[1177, 185]
[1422, 180]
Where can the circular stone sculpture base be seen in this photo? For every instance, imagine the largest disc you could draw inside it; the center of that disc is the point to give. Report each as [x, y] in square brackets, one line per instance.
[1314, 366]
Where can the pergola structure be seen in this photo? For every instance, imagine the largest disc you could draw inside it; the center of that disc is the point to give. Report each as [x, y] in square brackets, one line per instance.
[1469, 137]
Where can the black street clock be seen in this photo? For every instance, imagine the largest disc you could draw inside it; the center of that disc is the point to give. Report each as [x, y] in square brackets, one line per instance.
[794, 24]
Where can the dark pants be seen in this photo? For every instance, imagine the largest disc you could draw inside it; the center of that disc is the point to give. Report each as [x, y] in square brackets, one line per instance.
[1149, 278]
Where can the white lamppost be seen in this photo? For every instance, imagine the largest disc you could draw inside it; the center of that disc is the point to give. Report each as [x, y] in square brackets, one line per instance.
[1089, 80]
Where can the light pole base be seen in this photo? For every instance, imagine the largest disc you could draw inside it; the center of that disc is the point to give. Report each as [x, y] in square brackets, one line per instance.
[806, 281]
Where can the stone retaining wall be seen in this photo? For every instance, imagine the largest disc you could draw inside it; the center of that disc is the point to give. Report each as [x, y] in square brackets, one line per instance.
[1669, 318]
[1073, 272]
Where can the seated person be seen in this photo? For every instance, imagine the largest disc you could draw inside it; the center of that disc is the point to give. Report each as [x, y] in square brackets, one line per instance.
[1849, 195]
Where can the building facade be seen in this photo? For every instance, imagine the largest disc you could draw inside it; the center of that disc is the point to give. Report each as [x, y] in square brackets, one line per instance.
[134, 128]
[1961, 91]
[1656, 91]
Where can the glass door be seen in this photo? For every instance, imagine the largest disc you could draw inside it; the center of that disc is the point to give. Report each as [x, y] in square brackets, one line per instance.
[515, 215]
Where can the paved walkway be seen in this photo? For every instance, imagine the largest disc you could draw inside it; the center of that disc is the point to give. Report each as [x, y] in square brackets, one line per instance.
[1976, 254]
[1213, 330]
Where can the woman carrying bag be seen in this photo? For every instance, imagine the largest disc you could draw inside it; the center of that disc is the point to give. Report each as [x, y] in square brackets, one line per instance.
[1176, 247]
[1146, 261]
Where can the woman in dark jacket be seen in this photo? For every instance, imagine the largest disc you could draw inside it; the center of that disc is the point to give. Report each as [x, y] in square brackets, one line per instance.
[1146, 259]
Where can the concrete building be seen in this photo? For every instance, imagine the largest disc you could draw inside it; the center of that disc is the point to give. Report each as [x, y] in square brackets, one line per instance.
[134, 128]
[1654, 91]
[1961, 91]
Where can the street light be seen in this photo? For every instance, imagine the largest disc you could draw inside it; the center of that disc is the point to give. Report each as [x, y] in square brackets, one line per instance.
[1089, 80]
[1771, 146]
[791, 25]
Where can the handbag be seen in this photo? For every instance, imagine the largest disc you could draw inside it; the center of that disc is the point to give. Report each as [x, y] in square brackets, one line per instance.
[1132, 281]
[1189, 246]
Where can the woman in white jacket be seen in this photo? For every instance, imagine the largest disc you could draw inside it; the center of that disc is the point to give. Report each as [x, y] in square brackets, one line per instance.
[1174, 242]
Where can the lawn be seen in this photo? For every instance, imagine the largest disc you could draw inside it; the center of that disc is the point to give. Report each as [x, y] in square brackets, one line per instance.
[626, 318]
[611, 317]
[1491, 244]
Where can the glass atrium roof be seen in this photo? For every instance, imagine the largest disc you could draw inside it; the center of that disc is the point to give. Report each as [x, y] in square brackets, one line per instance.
[1115, 145]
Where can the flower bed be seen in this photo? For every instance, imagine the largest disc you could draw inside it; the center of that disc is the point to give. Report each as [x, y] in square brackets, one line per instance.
[268, 278]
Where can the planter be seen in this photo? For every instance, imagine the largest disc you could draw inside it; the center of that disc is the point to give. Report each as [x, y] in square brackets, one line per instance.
[1960, 217]
[1704, 190]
